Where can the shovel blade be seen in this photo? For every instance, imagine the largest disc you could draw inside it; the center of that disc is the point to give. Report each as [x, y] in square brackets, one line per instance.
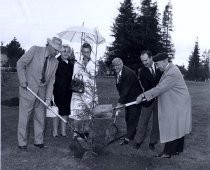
[103, 111]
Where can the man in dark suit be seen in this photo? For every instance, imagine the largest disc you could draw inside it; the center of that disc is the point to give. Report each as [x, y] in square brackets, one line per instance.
[128, 88]
[149, 77]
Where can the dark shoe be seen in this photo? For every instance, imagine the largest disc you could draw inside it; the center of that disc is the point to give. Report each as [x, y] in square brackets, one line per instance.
[64, 136]
[176, 154]
[152, 146]
[137, 145]
[124, 142]
[23, 148]
[163, 155]
[41, 146]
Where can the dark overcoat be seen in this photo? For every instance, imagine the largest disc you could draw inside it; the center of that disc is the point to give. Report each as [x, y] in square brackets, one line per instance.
[62, 92]
[128, 86]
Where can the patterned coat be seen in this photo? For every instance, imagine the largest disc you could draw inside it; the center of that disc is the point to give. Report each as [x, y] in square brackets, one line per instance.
[85, 100]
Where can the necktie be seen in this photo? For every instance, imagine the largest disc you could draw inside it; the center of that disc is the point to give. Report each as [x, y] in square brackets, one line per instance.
[44, 70]
[118, 78]
[152, 71]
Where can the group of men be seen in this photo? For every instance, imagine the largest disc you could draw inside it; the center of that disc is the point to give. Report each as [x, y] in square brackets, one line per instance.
[159, 90]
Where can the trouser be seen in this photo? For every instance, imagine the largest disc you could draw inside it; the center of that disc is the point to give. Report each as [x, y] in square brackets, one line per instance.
[175, 146]
[146, 113]
[132, 114]
[26, 107]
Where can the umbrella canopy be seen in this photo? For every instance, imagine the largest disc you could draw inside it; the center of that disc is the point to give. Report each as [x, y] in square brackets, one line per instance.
[81, 34]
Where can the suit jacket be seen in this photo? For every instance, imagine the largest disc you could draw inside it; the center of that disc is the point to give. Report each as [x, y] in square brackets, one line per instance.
[29, 69]
[174, 105]
[128, 86]
[148, 81]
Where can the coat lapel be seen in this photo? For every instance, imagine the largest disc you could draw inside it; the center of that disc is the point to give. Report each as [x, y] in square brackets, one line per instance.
[122, 74]
[120, 78]
[50, 68]
[148, 75]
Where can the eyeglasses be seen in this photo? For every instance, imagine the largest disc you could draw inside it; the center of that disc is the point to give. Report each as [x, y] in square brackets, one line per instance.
[86, 51]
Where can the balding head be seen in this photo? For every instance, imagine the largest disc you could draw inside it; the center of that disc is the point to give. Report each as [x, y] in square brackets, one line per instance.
[117, 64]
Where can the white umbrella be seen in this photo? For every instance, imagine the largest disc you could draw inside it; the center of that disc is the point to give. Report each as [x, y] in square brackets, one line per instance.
[81, 34]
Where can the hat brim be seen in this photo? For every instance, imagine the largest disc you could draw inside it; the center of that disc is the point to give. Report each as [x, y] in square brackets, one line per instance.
[61, 49]
[160, 57]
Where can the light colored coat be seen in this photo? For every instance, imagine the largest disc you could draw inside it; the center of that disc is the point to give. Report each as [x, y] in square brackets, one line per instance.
[78, 100]
[29, 68]
[174, 105]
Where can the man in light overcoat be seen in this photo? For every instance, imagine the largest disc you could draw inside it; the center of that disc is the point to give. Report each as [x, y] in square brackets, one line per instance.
[174, 106]
[36, 70]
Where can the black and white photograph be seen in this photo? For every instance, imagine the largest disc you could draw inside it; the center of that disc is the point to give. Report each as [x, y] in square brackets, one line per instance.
[105, 84]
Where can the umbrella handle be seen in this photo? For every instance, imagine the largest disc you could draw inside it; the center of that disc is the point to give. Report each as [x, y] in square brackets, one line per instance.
[46, 105]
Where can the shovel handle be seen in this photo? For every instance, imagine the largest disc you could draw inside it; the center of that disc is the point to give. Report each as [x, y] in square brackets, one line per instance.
[80, 134]
[130, 104]
[116, 114]
[46, 105]
[124, 105]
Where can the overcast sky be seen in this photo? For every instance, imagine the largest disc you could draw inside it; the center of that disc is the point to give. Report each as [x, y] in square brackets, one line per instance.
[33, 21]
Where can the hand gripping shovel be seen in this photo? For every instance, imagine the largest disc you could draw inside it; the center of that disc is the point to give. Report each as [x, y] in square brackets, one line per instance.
[45, 104]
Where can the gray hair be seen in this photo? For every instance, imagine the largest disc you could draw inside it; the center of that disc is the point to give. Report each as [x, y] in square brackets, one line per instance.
[117, 62]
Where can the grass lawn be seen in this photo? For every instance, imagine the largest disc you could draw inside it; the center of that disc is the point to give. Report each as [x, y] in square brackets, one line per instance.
[58, 156]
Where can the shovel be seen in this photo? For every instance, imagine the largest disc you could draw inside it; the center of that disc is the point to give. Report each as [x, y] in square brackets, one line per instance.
[112, 129]
[101, 109]
[45, 104]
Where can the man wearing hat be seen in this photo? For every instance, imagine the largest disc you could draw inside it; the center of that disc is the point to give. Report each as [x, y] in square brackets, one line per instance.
[128, 88]
[174, 106]
[36, 70]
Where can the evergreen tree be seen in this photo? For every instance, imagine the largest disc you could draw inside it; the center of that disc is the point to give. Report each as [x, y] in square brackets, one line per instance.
[124, 45]
[167, 28]
[148, 26]
[205, 66]
[14, 52]
[183, 70]
[101, 68]
[193, 72]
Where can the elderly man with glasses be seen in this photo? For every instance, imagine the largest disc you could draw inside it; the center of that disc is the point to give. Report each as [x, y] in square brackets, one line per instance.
[128, 88]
